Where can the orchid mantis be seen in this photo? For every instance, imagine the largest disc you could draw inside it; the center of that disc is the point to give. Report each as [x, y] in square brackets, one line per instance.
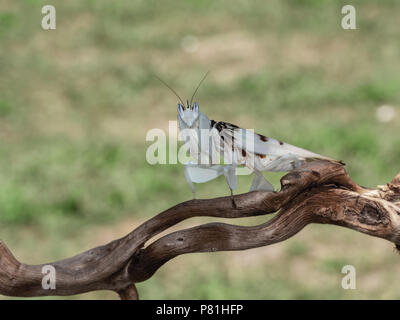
[207, 138]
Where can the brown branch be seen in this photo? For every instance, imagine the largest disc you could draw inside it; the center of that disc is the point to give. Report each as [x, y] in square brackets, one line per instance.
[319, 192]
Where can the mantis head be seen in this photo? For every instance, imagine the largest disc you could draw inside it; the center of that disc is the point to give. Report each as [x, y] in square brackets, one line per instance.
[189, 113]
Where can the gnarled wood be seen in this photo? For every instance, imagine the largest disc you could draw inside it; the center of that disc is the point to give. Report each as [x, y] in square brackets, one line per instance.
[318, 192]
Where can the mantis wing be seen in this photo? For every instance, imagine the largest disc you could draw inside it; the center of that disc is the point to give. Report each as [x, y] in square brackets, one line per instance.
[260, 152]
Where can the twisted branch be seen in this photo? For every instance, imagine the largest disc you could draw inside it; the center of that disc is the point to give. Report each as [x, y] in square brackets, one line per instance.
[318, 192]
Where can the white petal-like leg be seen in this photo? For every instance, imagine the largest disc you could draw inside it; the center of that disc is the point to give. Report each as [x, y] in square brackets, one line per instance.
[230, 175]
[201, 174]
[260, 183]
[189, 180]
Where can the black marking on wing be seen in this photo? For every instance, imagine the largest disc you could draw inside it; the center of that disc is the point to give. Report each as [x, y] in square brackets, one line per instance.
[223, 125]
[229, 126]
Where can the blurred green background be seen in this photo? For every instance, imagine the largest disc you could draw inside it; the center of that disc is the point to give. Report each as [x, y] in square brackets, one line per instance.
[76, 103]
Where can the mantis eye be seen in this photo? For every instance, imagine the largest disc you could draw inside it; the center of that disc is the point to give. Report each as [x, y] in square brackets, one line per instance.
[180, 109]
[196, 107]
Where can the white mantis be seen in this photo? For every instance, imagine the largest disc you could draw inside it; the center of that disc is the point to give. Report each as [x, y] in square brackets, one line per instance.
[207, 138]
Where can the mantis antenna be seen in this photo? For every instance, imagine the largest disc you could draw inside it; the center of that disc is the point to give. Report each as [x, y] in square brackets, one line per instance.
[163, 82]
[201, 81]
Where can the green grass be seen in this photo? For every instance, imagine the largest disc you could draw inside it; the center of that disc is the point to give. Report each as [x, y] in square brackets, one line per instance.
[76, 103]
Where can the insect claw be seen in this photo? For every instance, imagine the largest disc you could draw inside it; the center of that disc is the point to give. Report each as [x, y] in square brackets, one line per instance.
[233, 199]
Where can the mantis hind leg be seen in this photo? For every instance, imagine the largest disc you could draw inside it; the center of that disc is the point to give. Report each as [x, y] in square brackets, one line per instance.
[231, 179]
[233, 199]
[189, 181]
[260, 183]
